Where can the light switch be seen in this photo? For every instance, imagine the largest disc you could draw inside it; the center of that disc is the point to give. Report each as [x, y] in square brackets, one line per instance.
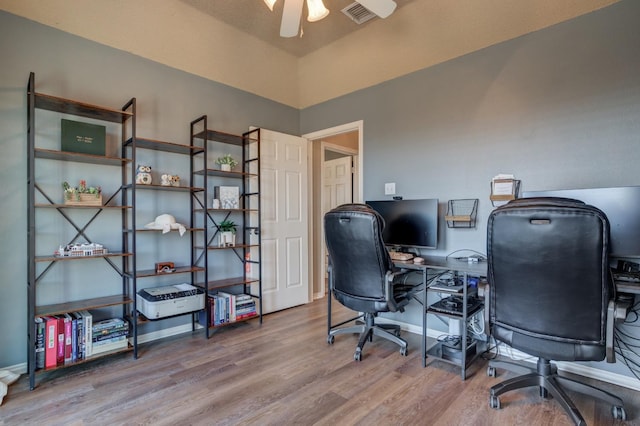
[389, 188]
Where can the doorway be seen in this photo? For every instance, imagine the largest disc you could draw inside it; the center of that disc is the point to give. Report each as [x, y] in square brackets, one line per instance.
[343, 141]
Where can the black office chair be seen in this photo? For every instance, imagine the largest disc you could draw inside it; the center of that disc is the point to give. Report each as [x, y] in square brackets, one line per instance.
[550, 294]
[361, 273]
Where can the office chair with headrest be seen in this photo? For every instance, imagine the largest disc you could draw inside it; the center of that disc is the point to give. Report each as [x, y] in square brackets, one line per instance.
[550, 294]
[361, 273]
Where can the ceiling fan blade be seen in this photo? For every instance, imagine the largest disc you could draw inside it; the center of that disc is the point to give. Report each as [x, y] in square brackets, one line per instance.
[291, 18]
[382, 8]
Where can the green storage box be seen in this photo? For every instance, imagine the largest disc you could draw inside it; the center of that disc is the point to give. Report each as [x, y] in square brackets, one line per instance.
[83, 137]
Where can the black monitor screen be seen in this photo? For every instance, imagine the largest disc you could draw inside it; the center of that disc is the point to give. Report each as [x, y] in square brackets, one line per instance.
[409, 223]
[622, 207]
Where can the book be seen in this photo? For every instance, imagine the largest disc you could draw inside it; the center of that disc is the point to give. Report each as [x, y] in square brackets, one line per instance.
[80, 335]
[40, 328]
[110, 345]
[109, 336]
[68, 328]
[88, 328]
[230, 304]
[60, 343]
[51, 341]
[74, 338]
[108, 324]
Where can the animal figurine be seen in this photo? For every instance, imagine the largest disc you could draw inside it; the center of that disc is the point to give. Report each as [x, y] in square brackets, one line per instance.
[170, 180]
[143, 175]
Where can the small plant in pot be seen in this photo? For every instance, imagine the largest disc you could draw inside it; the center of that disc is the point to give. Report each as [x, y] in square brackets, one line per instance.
[226, 162]
[227, 235]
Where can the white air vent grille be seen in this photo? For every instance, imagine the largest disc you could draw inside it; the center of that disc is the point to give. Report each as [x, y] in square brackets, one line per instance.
[358, 13]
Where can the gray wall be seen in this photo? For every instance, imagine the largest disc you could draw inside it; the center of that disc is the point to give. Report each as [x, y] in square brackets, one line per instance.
[68, 66]
[559, 108]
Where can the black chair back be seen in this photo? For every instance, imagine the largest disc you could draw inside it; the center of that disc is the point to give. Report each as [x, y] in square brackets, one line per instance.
[548, 269]
[358, 258]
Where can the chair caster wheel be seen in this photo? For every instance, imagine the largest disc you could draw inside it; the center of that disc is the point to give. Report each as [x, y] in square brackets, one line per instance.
[494, 402]
[331, 339]
[618, 413]
[491, 371]
[404, 351]
[357, 356]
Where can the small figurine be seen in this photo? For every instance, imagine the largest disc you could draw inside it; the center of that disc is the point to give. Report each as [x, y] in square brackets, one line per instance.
[170, 180]
[143, 175]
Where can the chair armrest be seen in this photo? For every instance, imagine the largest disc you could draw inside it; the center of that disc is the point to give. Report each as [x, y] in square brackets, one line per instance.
[617, 311]
[484, 290]
[390, 283]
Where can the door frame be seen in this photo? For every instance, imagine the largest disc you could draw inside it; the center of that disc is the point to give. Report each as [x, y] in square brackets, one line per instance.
[317, 249]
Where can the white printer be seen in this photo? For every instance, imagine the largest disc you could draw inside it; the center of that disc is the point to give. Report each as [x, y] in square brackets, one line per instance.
[166, 301]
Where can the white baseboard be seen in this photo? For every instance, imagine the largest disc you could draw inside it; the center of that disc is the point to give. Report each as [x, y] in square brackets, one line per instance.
[570, 367]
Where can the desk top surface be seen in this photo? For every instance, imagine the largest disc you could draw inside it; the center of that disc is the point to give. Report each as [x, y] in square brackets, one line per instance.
[444, 263]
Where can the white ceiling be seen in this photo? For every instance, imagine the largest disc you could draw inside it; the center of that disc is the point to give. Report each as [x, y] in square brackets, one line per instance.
[237, 42]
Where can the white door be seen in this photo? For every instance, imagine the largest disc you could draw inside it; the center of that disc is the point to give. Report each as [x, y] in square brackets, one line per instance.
[285, 222]
[337, 188]
[337, 184]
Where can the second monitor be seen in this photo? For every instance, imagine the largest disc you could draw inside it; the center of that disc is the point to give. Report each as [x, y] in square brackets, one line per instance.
[409, 223]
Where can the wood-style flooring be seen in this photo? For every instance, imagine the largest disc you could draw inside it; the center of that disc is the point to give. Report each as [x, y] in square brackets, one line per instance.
[283, 372]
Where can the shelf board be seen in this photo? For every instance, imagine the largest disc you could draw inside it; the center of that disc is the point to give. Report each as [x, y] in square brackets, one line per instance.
[179, 270]
[67, 206]
[157, 145]
[221, 173]
[68, 106]
[80, 305]
[65, 258]
[237, 246]
[156, 187]
[227, 282]
[78, 157]
[224, 324]
[457, 316]
[173, 230]
[227, 210]
[216, 136]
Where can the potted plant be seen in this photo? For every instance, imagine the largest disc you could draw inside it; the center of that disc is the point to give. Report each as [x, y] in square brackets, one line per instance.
[82, 194]
[227, 236]
[226, 162]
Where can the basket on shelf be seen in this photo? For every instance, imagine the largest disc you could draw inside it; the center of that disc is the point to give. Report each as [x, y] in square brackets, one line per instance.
[82, 195]
[83, 200]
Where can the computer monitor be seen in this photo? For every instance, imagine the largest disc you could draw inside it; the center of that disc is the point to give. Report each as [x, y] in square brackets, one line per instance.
[409, 223]
[622, 207]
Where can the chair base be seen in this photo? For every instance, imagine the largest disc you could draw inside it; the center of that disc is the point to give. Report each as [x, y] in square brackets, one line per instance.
[550, 383]
[367, 331]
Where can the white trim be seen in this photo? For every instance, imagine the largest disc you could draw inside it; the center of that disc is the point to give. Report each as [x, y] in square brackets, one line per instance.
[516, 355]
[319, 134]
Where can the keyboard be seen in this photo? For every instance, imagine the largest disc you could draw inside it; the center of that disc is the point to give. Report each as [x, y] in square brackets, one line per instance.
[397, 255]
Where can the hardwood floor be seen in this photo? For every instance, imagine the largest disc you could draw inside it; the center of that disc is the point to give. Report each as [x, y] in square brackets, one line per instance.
[283, 372]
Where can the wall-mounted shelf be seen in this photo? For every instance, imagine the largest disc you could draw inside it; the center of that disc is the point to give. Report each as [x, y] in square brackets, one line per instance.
[462, 213]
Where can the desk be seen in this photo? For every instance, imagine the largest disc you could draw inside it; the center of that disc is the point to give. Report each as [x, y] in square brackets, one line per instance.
[443, 264]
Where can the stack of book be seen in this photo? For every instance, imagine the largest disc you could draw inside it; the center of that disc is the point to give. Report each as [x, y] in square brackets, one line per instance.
[109, 335]
[227, 307]
[62, 339]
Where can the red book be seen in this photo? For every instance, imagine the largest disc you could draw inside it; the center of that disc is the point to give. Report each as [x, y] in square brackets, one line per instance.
[60, 344]
[51, 342]
[68, 323]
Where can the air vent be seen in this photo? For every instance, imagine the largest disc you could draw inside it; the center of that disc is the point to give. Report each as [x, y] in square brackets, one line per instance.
[358, 13]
